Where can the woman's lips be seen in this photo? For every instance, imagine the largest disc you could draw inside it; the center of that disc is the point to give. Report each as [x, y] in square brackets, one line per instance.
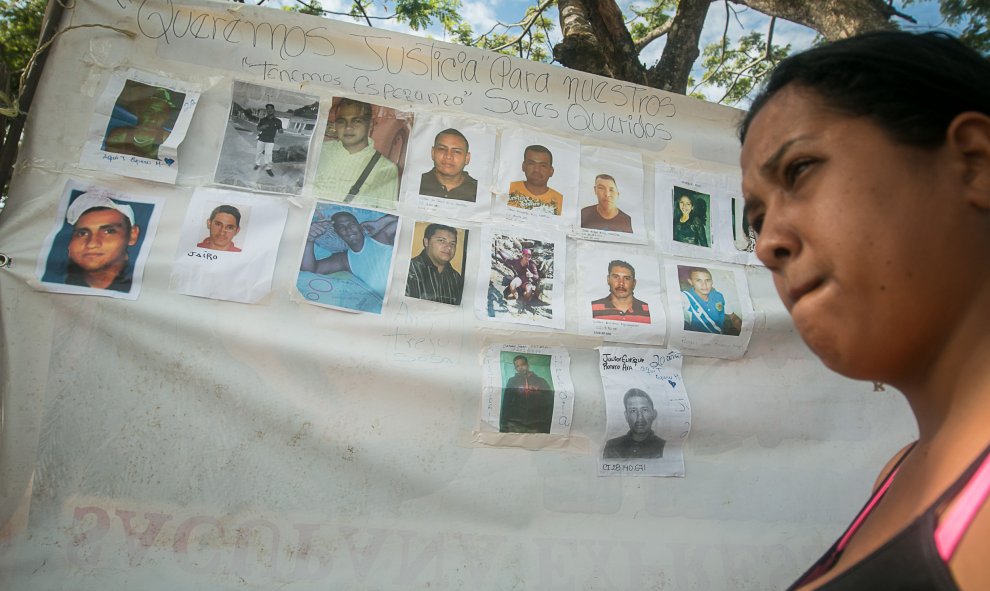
[802, 289]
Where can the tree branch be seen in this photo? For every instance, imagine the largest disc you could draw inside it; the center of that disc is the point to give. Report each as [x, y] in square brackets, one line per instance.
[527, 24]
[653, 36]
[360, 7]
[834, 19]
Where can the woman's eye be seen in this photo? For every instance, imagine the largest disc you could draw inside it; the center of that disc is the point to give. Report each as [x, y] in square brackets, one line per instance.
[794, 170]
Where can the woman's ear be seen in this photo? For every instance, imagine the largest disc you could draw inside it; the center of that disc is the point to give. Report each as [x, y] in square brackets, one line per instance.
[968, 137]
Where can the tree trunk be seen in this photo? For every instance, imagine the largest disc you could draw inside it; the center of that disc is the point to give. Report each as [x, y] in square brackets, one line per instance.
[597, 41]
[834, 19]
[681, 51]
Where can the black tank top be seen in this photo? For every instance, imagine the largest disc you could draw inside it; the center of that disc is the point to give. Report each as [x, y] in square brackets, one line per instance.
[908, 561]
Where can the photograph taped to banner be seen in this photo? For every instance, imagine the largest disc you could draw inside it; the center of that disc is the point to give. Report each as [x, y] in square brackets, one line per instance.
[713, 315]
[267, 140]
[619, 297]
[228, 245]
[348, 256]
[521, 277]
[99, 242]
[611, 196]
[527, 391]
[649, 414]
[138, 124]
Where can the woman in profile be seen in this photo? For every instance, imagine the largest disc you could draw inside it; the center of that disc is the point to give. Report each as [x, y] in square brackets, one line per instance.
[689, 225]
[866, 173]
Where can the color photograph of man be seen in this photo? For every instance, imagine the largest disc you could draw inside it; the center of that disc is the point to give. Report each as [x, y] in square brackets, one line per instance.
[606, 215]
[224, 223]
[524, 281]
[103, 231]
[447, 179]
[368, 248]
[527, 399]
[620, 304]
[431, 275]
[142, 119]
[534, 193]
[350, 166]
[704, 306]
[640, 442]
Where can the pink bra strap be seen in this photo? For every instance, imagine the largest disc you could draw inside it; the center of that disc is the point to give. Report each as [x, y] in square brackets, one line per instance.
[841, 544]
[954, 524]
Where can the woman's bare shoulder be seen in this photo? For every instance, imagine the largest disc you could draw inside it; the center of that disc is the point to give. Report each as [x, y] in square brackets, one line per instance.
[891, 464]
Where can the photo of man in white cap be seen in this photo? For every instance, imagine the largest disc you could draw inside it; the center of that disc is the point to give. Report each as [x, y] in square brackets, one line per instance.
[102, 232]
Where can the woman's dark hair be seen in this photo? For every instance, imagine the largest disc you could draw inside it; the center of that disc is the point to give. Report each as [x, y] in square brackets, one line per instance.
[911, 85]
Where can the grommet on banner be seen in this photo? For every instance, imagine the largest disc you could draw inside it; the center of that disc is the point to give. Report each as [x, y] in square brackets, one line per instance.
[4, 261]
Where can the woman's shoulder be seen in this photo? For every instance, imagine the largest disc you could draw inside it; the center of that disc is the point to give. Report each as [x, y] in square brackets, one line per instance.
[892, 465]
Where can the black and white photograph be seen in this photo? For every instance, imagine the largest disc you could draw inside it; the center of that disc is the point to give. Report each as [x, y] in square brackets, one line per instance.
[268, 139]
[648, 412]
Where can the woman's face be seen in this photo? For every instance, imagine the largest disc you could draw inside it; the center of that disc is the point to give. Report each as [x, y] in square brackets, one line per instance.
[859, 256]
[685, 205]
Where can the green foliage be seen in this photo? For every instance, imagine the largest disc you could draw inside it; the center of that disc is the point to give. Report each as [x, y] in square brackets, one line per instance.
[655, 16]
[20, 27]
[739, 69]
[530, 42]
[973, 14]
[420, 14]
[305, 8]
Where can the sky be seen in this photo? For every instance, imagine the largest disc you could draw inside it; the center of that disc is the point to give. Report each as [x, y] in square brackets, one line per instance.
[483, 14]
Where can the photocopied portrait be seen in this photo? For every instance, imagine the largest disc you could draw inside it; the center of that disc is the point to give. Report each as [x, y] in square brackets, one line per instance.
[522, 279]
[363, 153]
[99, 242]
[538, 175]
[267, 140]
[527, 390]
[139, 121]
[436, 273]
[449, 166]
[347, 258]
[611, 196]
[712, 315]
[620, 294]
[228, 245]
[648, 412]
